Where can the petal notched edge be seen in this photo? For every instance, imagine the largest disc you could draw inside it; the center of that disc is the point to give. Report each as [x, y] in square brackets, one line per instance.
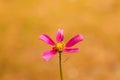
[48, 54]
[60, 35]
[74, 40]
[47, 39]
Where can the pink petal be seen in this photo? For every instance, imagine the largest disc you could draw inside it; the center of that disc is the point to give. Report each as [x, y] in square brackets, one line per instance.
[74, 40]
[71, 50]
[47, 39]
[60, 35]
[49, 54]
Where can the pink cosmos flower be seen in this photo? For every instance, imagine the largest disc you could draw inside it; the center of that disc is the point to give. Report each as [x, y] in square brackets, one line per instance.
[60, 46]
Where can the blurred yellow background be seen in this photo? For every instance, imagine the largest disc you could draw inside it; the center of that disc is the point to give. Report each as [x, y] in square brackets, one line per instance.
[23, 21]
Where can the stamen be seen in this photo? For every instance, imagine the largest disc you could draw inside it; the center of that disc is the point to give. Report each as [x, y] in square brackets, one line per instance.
[59, 46]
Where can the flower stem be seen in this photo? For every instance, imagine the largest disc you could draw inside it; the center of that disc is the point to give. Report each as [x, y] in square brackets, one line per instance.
[60, 66]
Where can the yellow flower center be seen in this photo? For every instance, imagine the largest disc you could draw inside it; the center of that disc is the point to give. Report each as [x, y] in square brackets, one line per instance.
[59, 46]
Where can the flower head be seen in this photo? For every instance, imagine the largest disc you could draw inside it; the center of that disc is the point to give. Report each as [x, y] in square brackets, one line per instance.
[60, 46]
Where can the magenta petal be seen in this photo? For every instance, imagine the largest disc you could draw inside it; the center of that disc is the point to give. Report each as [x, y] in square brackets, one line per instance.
[74, 40]
[60, 35]
[47, 39]
[48, 54]
[72, 50]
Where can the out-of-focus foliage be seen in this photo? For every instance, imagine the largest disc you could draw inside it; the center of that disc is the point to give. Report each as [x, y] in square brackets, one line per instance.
[23, 21]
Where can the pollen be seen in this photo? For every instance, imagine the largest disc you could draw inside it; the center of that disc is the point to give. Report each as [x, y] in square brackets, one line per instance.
[59, 46]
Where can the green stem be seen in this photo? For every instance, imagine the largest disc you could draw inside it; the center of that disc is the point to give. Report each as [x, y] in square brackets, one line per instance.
[60, 66]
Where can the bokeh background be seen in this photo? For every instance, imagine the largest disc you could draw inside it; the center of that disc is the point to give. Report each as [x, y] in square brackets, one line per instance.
[23, 21]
